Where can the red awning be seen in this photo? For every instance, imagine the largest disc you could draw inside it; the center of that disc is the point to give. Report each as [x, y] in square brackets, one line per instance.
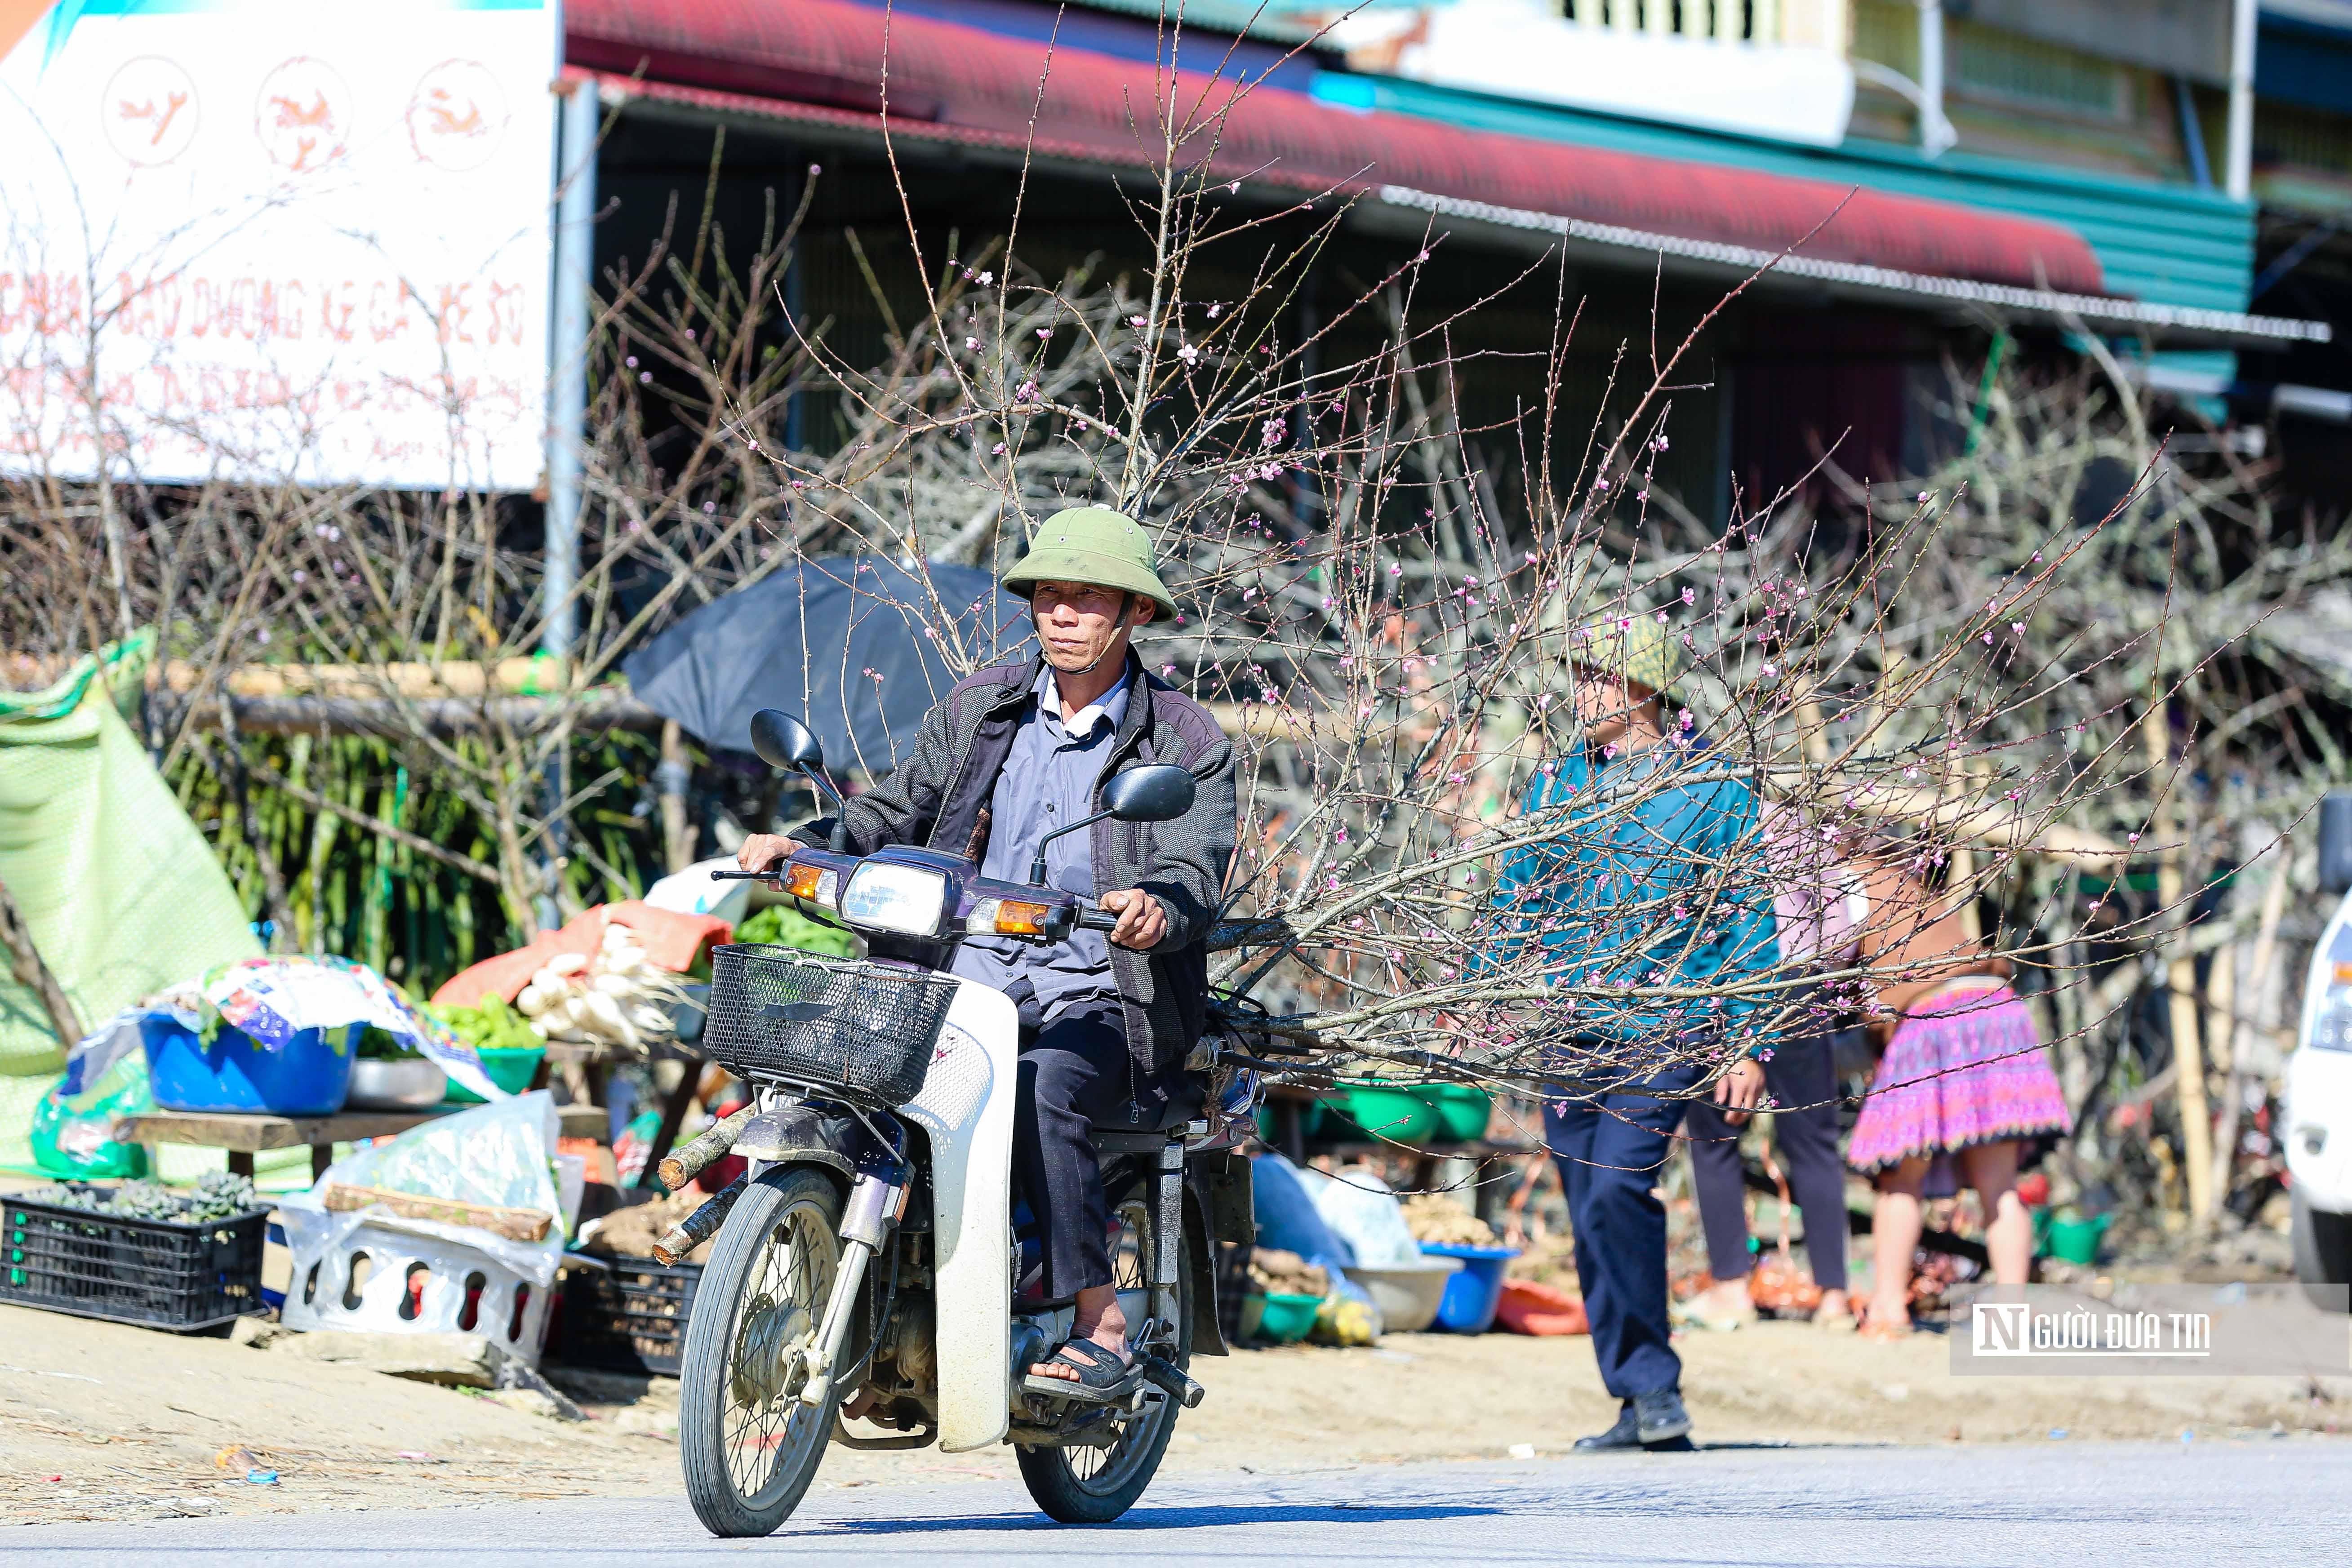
[823, 61]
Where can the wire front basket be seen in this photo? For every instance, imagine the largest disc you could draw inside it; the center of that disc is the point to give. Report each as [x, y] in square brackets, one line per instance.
[861, 1030]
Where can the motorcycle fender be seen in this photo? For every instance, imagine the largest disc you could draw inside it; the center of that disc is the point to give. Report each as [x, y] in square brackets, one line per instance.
[1224, 1178]
[966, 1108]
[804, 1135]
[1200, 1262]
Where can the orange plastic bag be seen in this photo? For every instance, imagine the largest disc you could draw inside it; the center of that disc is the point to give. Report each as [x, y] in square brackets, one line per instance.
[1531, 1309]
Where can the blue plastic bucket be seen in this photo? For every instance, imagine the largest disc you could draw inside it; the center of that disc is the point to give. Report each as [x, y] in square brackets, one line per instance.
[309, 1078]
[1474, 1293]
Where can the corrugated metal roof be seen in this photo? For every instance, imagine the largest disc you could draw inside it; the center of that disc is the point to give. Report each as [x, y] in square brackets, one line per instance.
[1845, 280]
[2170, 245]
[822, 59]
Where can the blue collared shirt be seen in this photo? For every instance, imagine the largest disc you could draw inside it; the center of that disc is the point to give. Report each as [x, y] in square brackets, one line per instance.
[1049, 778]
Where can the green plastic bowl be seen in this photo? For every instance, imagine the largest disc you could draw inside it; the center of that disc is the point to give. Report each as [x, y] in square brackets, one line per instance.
[512, 1068]
[1397, 1115]
[1310, 1123]
[1463, 1111]
[2078, 1240]
[1285, 1320]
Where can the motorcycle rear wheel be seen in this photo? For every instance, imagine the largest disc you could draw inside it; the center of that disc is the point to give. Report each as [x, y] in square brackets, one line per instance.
[1094, 1486]
[749, 1445]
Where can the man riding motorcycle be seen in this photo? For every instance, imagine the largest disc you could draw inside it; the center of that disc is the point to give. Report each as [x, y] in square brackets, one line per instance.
[1012, 752]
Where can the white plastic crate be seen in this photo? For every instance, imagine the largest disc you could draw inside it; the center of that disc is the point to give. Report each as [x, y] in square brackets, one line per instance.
[382, 1280]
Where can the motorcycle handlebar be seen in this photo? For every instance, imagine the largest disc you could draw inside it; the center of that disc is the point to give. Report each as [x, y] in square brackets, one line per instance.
[1096, 919]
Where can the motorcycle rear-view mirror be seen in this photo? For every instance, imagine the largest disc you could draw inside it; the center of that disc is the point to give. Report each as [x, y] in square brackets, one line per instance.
[1158, 794]
[783, 742]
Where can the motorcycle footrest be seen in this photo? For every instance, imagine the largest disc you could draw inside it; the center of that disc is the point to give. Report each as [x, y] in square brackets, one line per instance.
[1181, 1388]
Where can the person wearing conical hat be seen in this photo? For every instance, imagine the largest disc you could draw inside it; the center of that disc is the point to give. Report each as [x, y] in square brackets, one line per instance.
[1012, 752]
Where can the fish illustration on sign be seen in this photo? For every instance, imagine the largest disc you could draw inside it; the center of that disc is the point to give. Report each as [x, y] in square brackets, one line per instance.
[303, 114]
[148, 110]
[457, 116]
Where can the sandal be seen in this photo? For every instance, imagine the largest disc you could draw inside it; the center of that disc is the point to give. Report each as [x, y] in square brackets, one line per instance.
[1885, 1332]
[1684, 1314]
[1104, 1378]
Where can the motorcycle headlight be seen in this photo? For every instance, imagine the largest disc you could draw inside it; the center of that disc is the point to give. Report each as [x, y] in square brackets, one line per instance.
[895, 898]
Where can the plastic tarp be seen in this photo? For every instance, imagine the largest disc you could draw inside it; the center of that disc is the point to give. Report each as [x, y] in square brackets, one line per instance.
[274, 999]
[105, 1077]
[1361, 1211]
[672, 940]
[1288, 1218]
[501, 1154]
[121, 893]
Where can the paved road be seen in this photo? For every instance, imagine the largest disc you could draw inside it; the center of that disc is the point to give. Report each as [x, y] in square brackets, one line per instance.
[2275, 1502]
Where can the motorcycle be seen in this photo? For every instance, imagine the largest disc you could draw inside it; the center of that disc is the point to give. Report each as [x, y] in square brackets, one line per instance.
[868, 1253]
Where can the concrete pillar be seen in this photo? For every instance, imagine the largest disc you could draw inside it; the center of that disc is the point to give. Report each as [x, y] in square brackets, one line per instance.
[2240, 177]
[567, 354]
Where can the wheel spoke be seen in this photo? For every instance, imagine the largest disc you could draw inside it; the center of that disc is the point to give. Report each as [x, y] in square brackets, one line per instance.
[1107, 1469]
[788, 1286]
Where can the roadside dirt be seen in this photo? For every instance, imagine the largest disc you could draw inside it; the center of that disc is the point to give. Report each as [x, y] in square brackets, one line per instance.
[100, 1421]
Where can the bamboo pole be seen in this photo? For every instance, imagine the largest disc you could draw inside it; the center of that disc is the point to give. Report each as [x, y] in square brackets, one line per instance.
[2181, 981]
[2241, 1026]
[35, 974]
[671, 779]
[2220, 1001]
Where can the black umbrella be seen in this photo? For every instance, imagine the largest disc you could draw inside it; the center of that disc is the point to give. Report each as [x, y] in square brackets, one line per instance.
[857, 648]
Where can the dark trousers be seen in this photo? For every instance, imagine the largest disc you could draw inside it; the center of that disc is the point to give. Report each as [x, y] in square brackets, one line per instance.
[1800, 1075]
[1072, 1071]
[1609, 1151]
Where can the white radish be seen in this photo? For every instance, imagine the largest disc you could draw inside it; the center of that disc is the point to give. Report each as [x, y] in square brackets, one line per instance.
[566, 963]
[533, 1002]
[596, 1007]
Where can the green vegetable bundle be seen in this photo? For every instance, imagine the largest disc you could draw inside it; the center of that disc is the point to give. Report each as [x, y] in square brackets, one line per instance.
[493, 1026]
[781, 925]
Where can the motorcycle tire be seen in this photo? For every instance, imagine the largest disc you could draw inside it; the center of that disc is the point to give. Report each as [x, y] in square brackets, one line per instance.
[1088, 1486]
[749, 1447]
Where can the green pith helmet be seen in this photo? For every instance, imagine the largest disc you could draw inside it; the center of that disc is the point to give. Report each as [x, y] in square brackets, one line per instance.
[1095, 545]
[1633, 646]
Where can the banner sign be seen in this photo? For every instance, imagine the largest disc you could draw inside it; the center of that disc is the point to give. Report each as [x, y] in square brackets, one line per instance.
[261, 239]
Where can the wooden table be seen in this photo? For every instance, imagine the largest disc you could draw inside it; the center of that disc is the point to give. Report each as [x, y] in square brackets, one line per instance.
[244, 1136]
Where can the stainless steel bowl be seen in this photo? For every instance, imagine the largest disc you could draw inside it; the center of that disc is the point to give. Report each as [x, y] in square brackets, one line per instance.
[409, 1083]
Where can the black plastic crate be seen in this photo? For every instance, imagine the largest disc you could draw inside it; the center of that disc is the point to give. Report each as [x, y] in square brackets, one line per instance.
[160, 1274]
[629, 1316]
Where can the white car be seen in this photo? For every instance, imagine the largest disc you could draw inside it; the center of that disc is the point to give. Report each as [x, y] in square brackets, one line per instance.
[2319, 1112]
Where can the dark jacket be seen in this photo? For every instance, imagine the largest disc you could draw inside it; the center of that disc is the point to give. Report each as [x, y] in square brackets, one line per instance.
[938, 798]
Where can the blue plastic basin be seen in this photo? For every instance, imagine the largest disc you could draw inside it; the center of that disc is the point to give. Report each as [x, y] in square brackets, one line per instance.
[1474, 1293]
[309, 1078]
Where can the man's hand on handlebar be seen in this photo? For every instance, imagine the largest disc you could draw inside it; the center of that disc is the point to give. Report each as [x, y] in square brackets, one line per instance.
[1142, 922]
[764, 852]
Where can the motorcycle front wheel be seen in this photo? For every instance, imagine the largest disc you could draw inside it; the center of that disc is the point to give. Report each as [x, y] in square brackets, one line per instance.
[1094, 1486]
[749, 1445]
